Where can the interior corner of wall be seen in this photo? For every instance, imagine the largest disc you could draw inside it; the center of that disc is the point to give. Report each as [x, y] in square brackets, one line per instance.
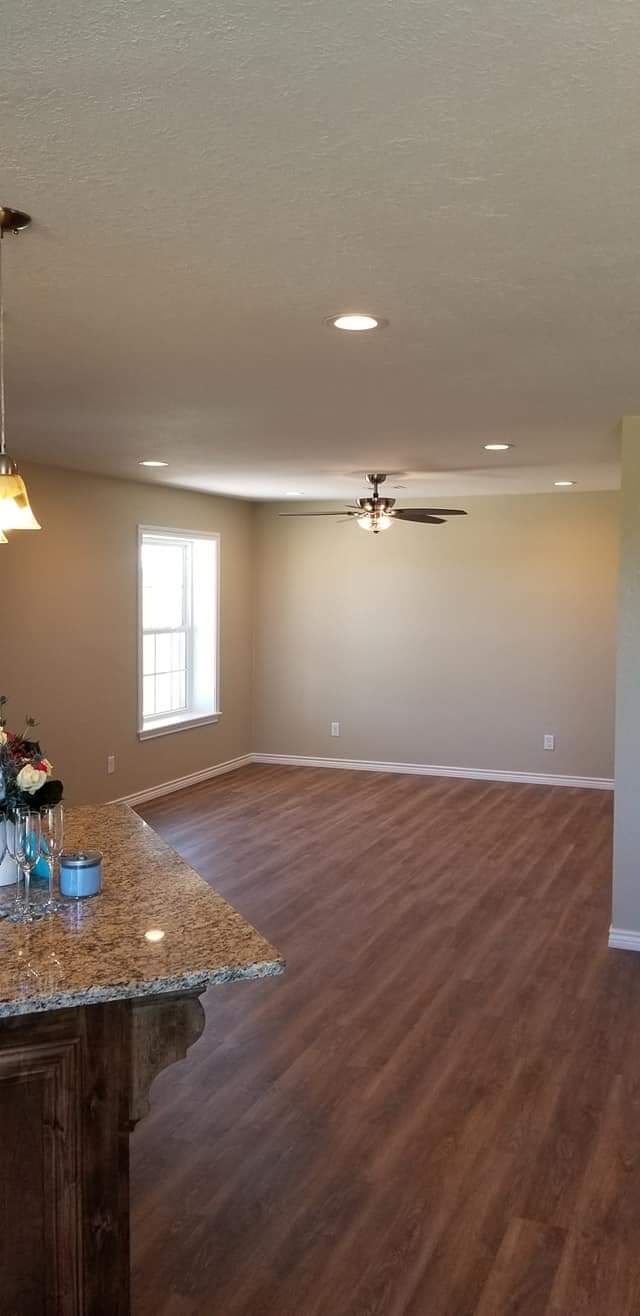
[629, 428]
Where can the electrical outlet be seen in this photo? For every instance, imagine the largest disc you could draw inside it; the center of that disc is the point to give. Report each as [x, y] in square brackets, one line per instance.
[335, 728]
[549, 742]
[111, 763]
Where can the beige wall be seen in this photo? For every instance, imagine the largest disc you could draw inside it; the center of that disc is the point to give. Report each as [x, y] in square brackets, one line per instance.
[626, 877]
[68, 645]
[458, 645]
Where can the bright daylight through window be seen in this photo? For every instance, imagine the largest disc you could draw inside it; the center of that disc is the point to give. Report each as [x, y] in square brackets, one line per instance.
[178, 640]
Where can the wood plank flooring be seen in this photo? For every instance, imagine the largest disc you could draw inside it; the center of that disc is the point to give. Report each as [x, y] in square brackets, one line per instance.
[436, 1111]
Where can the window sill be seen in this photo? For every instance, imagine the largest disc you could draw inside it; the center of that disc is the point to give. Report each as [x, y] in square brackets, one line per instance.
[178, 724]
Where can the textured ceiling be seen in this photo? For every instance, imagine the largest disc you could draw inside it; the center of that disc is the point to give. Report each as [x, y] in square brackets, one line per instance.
[208, 182]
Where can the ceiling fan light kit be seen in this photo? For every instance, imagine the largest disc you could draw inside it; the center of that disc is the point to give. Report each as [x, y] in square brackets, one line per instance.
[15, 509]
[374, 521]
[375, 513]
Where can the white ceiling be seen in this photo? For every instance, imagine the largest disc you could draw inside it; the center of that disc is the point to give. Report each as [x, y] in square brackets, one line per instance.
[209, 181]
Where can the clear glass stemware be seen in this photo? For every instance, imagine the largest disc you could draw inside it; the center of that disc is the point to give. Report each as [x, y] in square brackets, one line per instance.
[5, 906]
[11, 894]
[52, 822]
[27, 852]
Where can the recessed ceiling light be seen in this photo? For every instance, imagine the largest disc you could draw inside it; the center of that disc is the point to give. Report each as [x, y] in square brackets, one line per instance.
[497, 447]
[153, 463]
[356, 324]
[154, 934]
[564, 484]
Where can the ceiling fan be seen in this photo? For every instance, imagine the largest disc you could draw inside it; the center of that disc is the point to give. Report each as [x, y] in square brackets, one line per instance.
[375, 513]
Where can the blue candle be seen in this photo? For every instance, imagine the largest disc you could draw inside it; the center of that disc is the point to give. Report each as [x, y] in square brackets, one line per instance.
[80, 873]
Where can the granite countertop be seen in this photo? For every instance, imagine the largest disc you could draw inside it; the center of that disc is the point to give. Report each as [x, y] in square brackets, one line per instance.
[100, 949]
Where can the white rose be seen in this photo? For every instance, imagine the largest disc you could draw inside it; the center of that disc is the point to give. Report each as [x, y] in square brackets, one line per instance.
[30, 779]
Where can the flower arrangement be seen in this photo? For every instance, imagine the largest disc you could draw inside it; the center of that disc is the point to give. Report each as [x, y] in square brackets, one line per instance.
[26, 777]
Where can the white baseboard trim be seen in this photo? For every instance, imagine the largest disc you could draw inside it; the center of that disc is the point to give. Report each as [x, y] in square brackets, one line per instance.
[181, 783]
[437, 770]
[367, 765]
[624, 939]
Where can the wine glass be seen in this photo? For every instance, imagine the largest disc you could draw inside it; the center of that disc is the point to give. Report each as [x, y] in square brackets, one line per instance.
[27, 845]
[52, 823]
[3, 851]
[11, 901]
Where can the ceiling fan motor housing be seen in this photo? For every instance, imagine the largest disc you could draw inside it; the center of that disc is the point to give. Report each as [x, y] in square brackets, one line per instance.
[375, 504]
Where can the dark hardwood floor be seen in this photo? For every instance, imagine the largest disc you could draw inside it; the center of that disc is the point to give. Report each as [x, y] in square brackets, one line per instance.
[436, 1111]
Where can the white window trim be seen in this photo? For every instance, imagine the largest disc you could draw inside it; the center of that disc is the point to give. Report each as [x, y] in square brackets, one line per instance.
[177, 722]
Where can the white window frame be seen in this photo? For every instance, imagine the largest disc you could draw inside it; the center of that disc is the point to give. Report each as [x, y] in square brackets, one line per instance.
[168, 724]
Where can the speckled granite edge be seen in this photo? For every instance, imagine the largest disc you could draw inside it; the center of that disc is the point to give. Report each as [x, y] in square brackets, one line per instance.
[156, 928]
[130, 992]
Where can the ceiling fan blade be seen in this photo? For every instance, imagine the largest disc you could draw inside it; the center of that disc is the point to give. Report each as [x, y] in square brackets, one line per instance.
[431, 511]
[417, 514]
[338, 512]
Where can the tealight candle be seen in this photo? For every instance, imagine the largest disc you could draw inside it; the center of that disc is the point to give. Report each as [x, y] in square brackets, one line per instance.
[80, 873]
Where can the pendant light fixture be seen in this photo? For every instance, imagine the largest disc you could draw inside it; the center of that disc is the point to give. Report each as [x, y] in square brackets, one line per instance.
[15, 510]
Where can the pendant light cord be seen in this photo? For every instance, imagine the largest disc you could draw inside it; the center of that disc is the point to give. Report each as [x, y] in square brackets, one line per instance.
[1, 347]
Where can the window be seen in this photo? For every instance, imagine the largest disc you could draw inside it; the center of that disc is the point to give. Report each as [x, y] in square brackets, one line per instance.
[178, 642]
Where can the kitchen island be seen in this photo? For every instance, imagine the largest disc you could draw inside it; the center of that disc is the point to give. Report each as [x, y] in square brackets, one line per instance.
[94, 1002]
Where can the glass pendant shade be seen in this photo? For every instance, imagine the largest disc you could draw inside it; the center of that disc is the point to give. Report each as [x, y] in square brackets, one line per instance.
[3, 538]
[15, 509]
[374, 521]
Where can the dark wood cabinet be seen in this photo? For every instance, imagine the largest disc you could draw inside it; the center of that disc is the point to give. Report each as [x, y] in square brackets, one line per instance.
[73, 1084]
